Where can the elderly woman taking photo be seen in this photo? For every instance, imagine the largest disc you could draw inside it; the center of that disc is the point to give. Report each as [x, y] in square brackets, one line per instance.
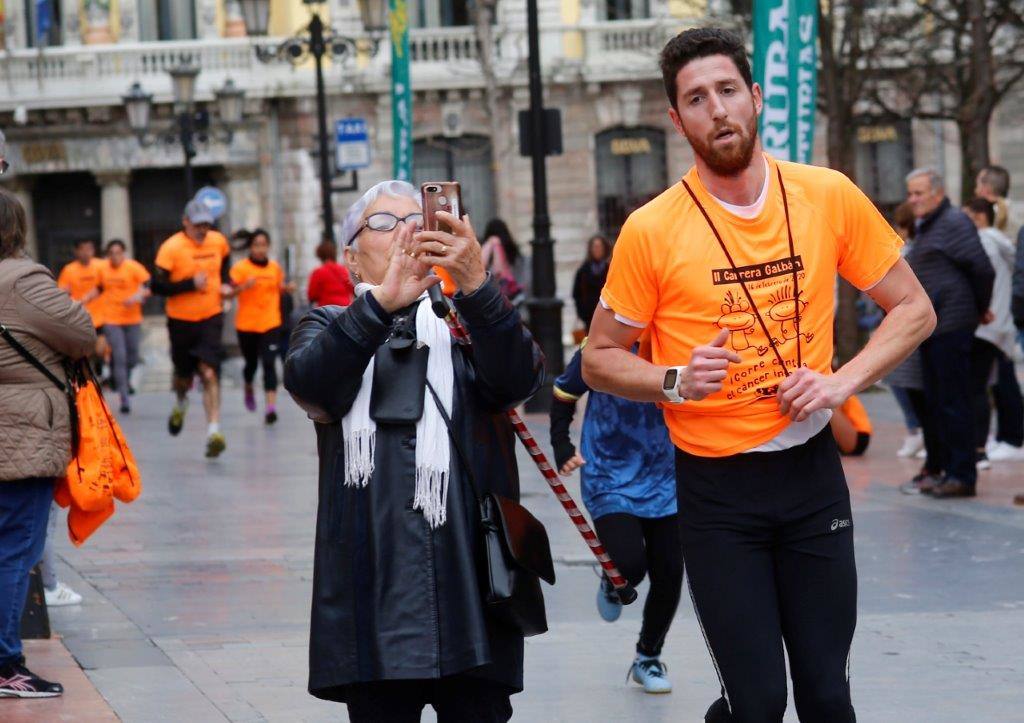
[398, 620]
[35, 427]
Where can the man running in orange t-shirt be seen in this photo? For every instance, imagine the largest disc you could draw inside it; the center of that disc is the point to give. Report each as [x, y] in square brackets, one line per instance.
[733, 270]
[192, 272]
[82, 279]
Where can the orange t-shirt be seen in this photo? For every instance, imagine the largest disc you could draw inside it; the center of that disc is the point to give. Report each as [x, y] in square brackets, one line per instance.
[182, 258]
[854, 410]
[79, 279]
[259, 306]
[669, 272]
[118, 285]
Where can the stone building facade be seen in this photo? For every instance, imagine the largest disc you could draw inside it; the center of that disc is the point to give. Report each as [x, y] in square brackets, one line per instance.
[82, 173]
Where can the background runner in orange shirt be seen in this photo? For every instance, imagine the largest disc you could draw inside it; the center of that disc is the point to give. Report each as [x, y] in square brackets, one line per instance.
[81, 278]
[125, 287]
[192, 272]
[258, 282]
[734, 270]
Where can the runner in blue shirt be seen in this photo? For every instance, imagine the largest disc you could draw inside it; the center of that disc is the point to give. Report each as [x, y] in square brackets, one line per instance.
[629, 489]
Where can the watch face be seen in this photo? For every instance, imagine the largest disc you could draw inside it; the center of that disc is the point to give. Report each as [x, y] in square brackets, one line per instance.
[671, 377]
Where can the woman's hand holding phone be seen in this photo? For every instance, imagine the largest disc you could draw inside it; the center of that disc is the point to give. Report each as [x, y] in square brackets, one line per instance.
[457, 252]
[406, 277]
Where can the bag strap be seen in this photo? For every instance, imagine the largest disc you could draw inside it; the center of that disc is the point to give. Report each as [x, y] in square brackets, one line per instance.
[30, 357]
[463, 459]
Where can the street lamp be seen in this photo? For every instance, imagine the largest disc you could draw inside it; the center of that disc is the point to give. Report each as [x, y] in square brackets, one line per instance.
[544, 305]
[192, 125]
[317, 41]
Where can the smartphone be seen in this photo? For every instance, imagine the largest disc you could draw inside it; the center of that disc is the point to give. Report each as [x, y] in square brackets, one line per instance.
[440, 196]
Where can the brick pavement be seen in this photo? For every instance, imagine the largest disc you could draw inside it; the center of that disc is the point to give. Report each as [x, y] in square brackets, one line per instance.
[197, 595]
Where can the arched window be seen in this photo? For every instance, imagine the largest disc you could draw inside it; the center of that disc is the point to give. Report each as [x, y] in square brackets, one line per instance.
[466, 159]
[631, 170]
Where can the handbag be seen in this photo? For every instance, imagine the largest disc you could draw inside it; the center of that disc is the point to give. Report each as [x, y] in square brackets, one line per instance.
[514, 553]
[102, 466]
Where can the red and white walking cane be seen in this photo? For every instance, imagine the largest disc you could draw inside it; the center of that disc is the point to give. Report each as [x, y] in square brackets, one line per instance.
[623, 589]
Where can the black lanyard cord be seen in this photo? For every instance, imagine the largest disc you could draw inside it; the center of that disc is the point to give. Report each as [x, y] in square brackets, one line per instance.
[750, 297]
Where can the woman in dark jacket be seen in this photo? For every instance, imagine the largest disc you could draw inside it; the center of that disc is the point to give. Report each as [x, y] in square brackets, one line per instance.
[35, 428]
[398, 621]
[590, 278]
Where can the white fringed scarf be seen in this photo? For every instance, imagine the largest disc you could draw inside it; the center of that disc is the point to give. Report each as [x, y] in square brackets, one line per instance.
[433, 453]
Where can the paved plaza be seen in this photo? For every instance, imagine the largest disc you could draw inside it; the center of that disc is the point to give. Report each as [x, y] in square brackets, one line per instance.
[197, 595]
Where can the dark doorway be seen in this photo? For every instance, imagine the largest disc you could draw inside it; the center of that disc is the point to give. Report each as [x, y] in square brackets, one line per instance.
[156, 212]
[631, 170]
[66, 208]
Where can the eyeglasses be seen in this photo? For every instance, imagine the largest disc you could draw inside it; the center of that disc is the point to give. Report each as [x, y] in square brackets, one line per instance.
[4, 165]
[384, 221]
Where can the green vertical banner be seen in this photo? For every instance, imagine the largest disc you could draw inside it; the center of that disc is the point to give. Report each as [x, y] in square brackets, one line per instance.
[401, 91]
[786, 68]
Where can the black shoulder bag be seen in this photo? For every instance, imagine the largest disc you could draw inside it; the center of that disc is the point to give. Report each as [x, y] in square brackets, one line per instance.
[514, 553]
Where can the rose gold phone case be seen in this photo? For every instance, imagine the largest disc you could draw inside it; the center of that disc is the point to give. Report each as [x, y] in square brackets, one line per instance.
[440, 196]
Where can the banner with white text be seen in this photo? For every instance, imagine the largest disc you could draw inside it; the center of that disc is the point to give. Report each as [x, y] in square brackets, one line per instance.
[786, 67]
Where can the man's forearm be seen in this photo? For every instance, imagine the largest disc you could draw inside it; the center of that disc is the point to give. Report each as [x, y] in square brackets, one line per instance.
[900, 333]
[619, 372]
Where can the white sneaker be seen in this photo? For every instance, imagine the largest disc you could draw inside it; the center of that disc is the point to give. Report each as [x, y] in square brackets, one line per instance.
[60, 596]
[912, 444]
[651, 673]
[1006, 452]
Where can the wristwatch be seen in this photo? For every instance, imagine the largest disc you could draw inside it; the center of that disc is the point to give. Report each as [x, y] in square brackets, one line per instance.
[670, 386]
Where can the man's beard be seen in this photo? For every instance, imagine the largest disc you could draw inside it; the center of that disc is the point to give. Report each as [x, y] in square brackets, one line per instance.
[729, 161]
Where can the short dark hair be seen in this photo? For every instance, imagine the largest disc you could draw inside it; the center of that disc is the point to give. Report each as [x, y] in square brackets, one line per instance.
[983, 206]
[115, 242]
[997, 178]
[696, 43]
[903, 216]
[12, 225]
[79, 243]
[327, 251]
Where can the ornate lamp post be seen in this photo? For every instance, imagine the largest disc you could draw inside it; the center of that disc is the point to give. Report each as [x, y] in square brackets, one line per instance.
[318, 41]
[192, 125]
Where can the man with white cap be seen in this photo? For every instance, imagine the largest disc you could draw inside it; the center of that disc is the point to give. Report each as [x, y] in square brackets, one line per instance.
[192, 272]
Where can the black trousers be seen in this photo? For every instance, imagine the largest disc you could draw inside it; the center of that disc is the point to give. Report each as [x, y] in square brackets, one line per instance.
[639, 547]
[455, 698]
[768, 543]
[983, 362]
[946, 362]
[1009, 403]
[260, 348]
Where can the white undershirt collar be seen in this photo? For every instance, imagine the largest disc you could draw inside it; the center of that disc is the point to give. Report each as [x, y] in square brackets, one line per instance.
[753, 210]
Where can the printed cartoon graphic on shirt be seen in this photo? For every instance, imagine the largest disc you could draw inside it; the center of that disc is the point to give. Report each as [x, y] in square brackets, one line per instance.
[737, 319]
[784, 310]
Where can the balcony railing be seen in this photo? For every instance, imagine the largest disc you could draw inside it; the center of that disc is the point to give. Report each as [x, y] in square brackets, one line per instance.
[99, 75]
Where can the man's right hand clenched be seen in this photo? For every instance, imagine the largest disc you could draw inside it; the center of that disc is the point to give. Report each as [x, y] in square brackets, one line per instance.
[708, 367]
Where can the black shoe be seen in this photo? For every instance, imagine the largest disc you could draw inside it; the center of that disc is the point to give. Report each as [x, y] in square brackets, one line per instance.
[718, 712]
[131, 390]
[17, 681]
[176, 421]
[921, 484]
[952, 487]
[125, 409]
[271, 417]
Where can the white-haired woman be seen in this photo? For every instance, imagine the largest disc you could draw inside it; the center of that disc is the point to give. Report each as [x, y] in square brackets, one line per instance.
[398, 622]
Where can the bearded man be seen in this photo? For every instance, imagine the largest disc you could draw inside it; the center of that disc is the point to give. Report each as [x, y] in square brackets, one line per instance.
[734, 270]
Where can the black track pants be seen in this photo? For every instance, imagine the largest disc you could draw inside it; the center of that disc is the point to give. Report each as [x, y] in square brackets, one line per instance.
[641, 546]
[257, 349]
[768, 542]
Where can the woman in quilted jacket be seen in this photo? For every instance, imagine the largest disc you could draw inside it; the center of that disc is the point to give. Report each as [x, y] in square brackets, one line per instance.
[35, 428]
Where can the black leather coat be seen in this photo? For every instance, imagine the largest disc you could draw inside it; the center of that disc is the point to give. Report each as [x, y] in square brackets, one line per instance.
[393, 599]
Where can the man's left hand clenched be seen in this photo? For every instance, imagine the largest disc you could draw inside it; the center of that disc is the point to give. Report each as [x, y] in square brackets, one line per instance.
[804, 392]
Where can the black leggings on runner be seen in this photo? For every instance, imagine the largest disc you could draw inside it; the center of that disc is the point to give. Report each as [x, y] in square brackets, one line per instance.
[260, 348]
[768, 543]
[639, 546]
